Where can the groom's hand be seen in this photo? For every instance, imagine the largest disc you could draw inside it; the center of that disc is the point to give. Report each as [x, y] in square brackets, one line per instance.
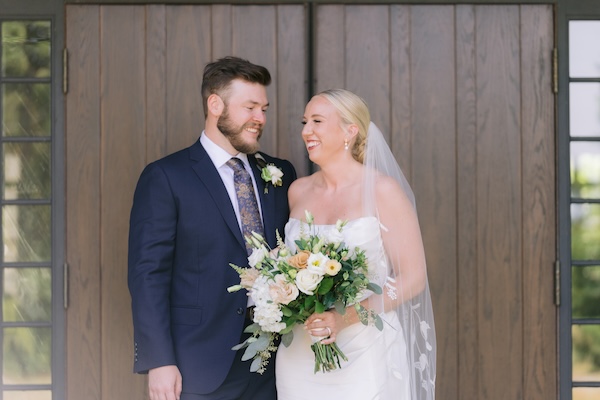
[164, 383]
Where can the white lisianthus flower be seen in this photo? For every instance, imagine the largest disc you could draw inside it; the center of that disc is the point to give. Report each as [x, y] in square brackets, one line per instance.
[332, 267]
[257, 256]
[333, 235]
[316, 263]
[307, 281]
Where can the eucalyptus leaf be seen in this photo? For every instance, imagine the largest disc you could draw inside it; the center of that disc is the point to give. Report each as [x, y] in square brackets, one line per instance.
[255, 364]
[374, 288]
[287, 338]
[340, 307]
[378, 322]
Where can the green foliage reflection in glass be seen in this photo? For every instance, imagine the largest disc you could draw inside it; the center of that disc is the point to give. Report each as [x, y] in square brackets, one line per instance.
[26, 49]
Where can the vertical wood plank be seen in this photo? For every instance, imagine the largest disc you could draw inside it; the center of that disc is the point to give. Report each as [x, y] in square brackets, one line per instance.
[156, 88]
[329, 42]
[254, 38]
[83, 203]
[466, 174]
[221, 31]
[434, 172]
[292, 85]
[367, 65]
[499, 202]
[188, 51]
[539, 219]
[123, 150]
[400, 87]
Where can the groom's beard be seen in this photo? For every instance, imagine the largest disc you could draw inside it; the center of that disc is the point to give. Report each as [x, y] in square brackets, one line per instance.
[234, 133]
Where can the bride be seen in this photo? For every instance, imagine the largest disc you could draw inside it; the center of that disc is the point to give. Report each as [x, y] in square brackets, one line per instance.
[360, 182]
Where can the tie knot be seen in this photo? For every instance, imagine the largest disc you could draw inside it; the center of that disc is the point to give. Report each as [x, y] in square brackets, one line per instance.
[236, 164]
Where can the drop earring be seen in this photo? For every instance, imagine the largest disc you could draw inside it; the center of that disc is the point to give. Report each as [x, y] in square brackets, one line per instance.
[345, 144]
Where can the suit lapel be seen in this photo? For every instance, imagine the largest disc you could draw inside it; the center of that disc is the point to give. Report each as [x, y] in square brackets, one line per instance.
[267, 201]
[208, 174]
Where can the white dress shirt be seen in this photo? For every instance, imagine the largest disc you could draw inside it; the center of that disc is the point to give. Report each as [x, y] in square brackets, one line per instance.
[219, 157]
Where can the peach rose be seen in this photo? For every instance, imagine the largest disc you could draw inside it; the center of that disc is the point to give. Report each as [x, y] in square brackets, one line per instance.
[283, 292]
[300, 259]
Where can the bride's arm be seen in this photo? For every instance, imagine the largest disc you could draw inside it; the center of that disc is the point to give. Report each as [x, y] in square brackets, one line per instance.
[402, 242]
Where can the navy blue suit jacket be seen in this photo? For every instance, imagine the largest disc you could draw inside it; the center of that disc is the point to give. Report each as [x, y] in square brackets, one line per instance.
[183, 235]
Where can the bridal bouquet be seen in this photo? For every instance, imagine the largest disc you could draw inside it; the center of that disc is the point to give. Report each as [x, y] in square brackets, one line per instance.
[288, 286]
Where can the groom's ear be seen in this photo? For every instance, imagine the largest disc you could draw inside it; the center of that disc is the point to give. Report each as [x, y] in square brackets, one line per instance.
[216, 105]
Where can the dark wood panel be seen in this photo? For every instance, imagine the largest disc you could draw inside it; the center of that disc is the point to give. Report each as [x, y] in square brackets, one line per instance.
[254, 38]
[156, 92]
[83, 204]
[292, 94]
[499, 203]
[367, 60]
[400, 88]
[123, 154]
[539, 216]
[329, 42]
[221, 31]
[188, 49]
[434, 172]
[466, 176]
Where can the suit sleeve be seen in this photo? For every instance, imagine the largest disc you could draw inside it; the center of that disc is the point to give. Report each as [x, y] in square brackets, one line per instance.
[152, 233]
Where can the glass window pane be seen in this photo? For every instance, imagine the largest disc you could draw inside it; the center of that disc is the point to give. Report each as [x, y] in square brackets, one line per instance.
[586, 393]
[585, 231]
[26, 233]
[586, 353]
[585, 170]
[586, 291]
[584, 52]
[27, 294]
[584, 109]
[27, 395]
[26, 109]
[26, 48]
[26, 356]
[26, 170]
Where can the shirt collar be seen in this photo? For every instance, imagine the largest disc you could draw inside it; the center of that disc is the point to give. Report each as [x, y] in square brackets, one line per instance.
[218, 155]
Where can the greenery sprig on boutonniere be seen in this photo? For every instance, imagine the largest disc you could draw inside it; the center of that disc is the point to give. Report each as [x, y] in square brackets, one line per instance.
[269, 172]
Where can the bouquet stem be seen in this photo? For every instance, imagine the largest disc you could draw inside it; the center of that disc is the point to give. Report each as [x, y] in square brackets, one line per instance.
[327, 356]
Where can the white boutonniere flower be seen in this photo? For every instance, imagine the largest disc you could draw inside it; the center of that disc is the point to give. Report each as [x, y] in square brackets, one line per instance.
[269, 173]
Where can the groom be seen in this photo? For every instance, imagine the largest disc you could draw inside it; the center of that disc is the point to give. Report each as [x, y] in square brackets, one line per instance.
[186, 227]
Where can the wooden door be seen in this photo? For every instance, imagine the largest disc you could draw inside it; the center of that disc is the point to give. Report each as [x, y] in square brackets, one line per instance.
[463, 93]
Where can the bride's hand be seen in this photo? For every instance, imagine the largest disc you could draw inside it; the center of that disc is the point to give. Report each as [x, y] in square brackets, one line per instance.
[327, 325]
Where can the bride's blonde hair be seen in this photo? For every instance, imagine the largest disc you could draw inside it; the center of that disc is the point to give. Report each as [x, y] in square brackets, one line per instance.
[353, 110]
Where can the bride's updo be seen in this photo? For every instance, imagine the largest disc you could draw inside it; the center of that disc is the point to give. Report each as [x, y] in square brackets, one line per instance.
[353, 110]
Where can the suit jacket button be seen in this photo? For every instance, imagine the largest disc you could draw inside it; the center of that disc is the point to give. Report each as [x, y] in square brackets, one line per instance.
[241, 311]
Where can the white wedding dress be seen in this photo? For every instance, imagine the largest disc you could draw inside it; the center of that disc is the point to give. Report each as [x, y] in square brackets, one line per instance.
[377, 362]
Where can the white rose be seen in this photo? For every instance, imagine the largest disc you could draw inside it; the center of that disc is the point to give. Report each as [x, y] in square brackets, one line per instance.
[307, 281]
[276, 174]
[257, 256]
[333, 235]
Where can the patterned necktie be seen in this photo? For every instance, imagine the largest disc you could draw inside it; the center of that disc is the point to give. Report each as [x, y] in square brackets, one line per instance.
[244, 190]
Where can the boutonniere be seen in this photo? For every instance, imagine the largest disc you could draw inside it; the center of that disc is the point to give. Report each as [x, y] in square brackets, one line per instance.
[269, 172]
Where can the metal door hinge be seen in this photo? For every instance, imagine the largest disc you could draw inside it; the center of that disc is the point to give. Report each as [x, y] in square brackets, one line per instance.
[65, 70]
[555, 70]
[557, 283]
